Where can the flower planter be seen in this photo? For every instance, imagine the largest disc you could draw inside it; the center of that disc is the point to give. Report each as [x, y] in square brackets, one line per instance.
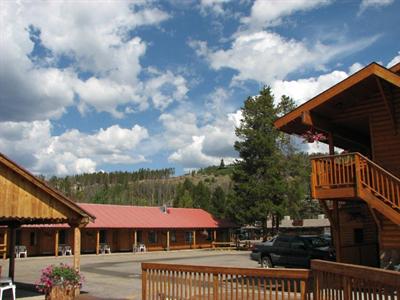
[61, 293]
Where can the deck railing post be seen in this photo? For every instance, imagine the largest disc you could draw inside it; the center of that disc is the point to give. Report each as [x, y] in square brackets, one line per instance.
[346, 288]
[144, 284]
[313, 179]
[357, 174]
[215, 286]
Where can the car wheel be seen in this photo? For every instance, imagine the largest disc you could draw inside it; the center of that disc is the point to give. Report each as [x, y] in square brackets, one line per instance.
[266, 262]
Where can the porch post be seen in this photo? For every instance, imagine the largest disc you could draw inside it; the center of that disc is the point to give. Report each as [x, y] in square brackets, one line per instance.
[194, 239]
[13, 234]
[97, 242]
[214, 238]
[338, 242]
[77, 247]
[135, 239]
[331, 144]
[5, 243]
[56, 239]
[167, 240]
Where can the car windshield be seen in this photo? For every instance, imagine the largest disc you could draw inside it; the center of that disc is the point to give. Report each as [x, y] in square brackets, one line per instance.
[317, 242]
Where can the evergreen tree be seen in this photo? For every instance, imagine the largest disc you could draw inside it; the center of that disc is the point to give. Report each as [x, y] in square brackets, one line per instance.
[218, 203]
[222, 164]
[259, 184]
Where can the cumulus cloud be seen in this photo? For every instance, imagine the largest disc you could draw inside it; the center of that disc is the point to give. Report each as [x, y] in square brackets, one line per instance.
[304, 89]
[266, 13]
[365, 4]
[394, 61]
[90, 39]
[164, 88]
[267, 56]
[197, 146]
[33, 145]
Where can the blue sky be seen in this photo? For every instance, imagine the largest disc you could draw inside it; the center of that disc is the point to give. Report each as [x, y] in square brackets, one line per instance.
[119, 85]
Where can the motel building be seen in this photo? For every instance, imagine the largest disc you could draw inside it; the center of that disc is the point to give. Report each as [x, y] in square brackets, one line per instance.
[33, 223]
[122, 228]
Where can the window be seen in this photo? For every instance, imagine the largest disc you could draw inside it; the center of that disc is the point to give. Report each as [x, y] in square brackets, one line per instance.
[62, 237]
[172, 235]
[282, 241]
[32, 238]
[298, 244]
[188, 237]
[152, 237]
[358, 235]
[103, 237]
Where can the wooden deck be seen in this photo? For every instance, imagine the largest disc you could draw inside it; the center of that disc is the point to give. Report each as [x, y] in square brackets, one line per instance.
[325, 280]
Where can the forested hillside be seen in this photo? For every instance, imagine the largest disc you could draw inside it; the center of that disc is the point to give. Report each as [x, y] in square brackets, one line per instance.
[147, 187]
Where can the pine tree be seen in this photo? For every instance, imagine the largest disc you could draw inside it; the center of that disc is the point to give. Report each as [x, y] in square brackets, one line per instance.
[218, 203]
[222, 164]
[258, 181]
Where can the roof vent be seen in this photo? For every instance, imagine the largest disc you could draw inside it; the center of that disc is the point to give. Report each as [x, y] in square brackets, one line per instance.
[164, 209]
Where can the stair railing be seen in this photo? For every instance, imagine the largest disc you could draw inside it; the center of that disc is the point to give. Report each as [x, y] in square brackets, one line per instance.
[379, 182]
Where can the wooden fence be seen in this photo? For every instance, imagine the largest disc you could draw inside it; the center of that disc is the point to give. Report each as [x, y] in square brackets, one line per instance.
[324, 281]
[337, 281]
[165, 281]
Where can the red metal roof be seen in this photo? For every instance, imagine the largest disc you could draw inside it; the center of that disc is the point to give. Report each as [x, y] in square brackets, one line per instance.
[124, 216]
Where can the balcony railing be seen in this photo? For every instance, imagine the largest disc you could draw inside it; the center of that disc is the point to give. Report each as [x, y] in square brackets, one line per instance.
[324, 281]
[351, 175]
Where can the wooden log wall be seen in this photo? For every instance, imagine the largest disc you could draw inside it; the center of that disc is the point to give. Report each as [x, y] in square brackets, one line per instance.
[355, 215]
[385, 141]
[390, 243]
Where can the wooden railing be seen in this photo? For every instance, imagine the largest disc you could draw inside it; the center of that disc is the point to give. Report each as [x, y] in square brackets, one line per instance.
[337, 281]
[165, 281]
[325, 281]
[355, 171]
[380, 182]
[333, 171]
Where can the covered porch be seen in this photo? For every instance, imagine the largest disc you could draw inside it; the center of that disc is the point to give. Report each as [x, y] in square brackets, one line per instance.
[27, 200]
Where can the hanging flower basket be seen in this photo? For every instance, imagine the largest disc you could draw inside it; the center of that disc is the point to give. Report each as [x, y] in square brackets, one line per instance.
[311, 136]
[59, 282]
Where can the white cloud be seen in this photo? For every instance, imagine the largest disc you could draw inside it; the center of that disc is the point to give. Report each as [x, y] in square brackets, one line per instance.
[394, 61]
[197, 146]
[365, 4]
[270, 12]
[33, 145]
[165, 88]
[92, 38]
[266, 56]
[302, 90]
[214, 6]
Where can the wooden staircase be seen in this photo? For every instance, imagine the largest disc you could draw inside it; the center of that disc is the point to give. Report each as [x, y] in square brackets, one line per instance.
[354, 176]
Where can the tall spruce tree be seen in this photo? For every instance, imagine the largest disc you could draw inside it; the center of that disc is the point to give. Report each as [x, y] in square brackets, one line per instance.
[259, 182]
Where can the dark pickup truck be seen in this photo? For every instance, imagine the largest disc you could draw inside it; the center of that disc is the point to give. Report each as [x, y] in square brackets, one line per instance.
[292, 251]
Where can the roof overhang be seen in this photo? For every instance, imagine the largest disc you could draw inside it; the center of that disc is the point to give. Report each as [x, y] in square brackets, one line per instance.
[76, 214]
[306, 115]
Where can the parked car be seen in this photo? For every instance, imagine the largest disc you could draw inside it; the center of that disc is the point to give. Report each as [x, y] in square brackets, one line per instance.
[292, 251]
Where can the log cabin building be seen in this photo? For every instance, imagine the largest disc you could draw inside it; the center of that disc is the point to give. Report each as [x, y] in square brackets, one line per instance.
[124, 228]
[359, 188]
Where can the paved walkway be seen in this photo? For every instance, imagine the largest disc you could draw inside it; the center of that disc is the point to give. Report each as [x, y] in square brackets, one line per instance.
[118, 276]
